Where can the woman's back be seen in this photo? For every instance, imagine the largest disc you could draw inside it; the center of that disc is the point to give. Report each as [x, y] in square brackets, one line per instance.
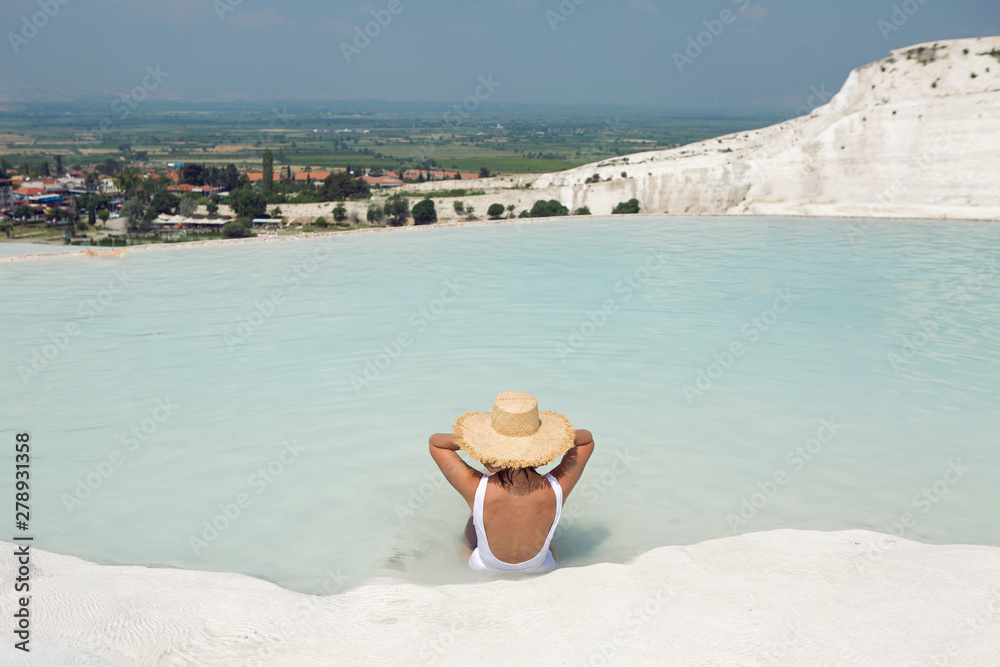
[517, 519]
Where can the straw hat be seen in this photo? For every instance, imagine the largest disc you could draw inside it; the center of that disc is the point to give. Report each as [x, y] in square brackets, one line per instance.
[515, 434]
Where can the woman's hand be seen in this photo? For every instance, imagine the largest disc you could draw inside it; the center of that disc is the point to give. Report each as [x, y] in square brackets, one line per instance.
[444, 441]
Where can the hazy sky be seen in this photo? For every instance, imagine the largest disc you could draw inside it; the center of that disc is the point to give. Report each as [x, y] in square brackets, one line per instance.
[537, 51]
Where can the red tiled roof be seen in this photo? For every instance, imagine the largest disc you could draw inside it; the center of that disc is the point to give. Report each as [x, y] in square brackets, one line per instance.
[311, 175]
[31, 191]
[256, 176]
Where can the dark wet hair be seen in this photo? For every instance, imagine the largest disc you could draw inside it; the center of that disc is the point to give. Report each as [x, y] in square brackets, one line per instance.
[506, 475]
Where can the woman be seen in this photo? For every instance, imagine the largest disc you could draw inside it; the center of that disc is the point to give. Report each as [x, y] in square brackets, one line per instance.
[520, 507]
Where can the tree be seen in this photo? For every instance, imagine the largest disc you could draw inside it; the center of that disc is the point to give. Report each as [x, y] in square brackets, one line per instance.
[630, 206]
[231, 180]
[340, 186]
[162, 203]
[397, 208]
[339, 213]
[484, 172]
[45, 169]
[128, 182]
[583, 210]
[110, 167]
[268, 163]
[459, 207]
[375, 214]
[90, 182]
[133, 210]
[188, 206]
[104, 214]
[212, 208]
[321, 222]
[470, 212]
[547, 209]
[424, 212]
[23, 211]
[495, 211]
[247, 204]
[276, 212]
[59, 166]
[91, 214]
[510, 210]
[237, 229]
[193, 174]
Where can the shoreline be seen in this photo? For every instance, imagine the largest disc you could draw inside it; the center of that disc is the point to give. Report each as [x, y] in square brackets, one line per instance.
[778, 597]
[150, 247]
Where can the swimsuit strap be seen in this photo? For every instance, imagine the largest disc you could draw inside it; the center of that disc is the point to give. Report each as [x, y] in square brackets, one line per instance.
[483, 547]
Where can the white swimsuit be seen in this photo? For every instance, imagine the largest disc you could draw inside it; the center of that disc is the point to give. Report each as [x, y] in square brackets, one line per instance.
[483, 559]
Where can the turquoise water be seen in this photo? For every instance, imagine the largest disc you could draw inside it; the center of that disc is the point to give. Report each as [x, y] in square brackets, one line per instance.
[738, 375]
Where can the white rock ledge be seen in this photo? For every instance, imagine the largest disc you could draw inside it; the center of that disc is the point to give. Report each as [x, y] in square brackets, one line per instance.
[784, 597]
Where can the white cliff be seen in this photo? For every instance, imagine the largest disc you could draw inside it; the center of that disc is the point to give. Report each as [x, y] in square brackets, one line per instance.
[916, 135]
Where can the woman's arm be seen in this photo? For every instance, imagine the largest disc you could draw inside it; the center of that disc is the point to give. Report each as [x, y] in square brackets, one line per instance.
[459, 474]
[570, 469]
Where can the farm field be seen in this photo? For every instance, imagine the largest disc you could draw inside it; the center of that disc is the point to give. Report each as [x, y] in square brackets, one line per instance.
[514, 139]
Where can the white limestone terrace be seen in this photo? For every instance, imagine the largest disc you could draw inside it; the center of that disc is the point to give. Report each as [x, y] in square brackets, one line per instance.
[783, 597]
[916, 135]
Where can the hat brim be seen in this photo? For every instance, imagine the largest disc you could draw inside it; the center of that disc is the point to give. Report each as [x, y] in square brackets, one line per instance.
[474, 434]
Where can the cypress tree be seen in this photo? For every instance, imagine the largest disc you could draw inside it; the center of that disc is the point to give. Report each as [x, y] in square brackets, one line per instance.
[268, 170]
